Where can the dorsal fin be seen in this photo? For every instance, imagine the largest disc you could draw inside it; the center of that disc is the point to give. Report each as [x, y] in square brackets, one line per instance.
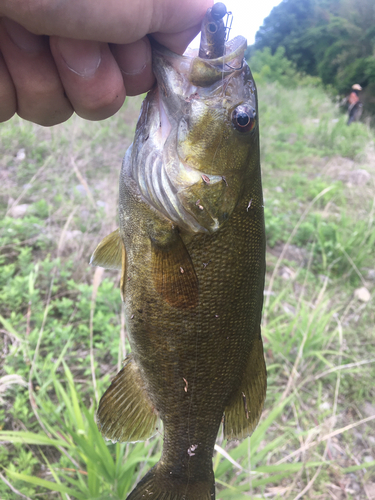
[243, 412]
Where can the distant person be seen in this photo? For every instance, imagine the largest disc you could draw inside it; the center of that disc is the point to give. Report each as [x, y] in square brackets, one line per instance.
[355, 106]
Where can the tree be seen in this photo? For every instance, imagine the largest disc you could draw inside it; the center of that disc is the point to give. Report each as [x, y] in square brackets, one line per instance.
[334, 39]
[285, 26]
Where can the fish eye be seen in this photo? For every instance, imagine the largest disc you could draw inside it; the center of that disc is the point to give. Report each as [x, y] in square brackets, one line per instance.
[244, 118]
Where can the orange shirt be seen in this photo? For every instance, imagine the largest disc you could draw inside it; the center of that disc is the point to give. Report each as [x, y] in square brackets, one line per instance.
[353, 98]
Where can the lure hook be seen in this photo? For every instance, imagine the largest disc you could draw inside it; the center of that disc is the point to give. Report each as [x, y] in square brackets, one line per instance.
[228, 24]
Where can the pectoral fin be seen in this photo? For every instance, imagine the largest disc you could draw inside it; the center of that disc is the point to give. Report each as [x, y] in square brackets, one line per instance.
[108, 253]
[125, 411]
[173, 273]
[243, 413]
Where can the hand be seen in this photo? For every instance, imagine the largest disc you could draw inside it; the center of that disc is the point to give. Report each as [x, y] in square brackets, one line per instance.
[57, 57]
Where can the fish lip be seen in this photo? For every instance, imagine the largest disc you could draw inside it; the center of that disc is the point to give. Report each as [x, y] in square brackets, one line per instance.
[205, 72]
[196, 71]
[234, 48]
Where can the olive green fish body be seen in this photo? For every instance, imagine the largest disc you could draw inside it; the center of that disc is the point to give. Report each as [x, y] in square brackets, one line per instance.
[192, 253]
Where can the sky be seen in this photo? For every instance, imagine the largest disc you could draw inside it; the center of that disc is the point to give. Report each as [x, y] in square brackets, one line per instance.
[248, 16]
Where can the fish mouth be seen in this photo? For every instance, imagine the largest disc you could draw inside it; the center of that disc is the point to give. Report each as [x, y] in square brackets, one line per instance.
[192, 71]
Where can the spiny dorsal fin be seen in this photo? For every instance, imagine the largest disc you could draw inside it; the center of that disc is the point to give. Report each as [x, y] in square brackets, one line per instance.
[174, 274]
[241, 416]
[125, 411]
[108, 253]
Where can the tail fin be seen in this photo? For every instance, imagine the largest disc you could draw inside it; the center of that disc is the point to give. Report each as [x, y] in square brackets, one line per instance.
[156, 485]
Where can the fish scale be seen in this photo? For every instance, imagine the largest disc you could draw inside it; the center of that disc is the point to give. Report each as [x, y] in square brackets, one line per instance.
[192, 297]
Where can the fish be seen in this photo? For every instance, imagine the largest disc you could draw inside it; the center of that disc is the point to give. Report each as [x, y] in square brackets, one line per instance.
[191, 250]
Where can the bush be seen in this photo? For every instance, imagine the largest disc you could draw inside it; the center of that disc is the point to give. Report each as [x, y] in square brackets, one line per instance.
[268, 67]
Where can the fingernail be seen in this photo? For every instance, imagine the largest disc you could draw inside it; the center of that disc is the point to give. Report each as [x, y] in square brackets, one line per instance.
[132, 58]
[81, 56]
[22, 38]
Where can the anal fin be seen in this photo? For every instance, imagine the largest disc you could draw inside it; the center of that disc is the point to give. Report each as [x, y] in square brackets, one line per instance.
[108, 253]
[174, 274]
[125, 411]
[241, 416]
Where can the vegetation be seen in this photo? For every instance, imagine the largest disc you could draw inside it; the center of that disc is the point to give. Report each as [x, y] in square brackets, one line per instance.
[332, 39]
[62, 331]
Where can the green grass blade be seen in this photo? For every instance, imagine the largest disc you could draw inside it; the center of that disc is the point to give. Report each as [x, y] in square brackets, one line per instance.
[9, 327]
[61, 488]
[353, 468]
[30, 438]
[262, 428]
[74, 397]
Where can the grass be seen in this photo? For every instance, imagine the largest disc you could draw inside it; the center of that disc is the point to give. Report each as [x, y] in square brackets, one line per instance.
[62, 331]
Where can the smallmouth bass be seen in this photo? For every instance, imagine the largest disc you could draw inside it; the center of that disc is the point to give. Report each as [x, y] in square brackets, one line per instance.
[191, 246]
